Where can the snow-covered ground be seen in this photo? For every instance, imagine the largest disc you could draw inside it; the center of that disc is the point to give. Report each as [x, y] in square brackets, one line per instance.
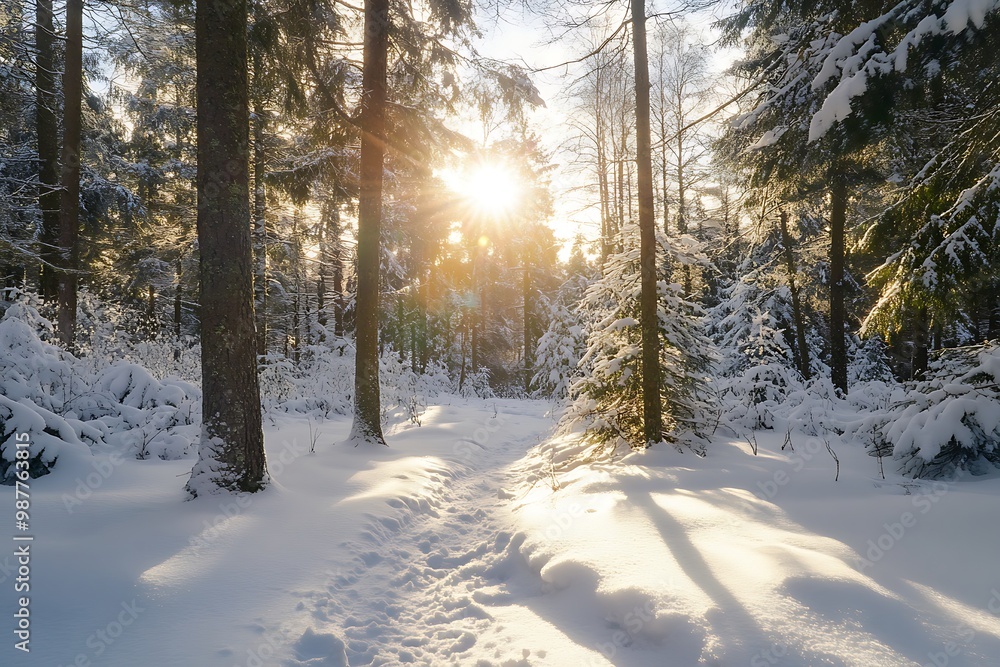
[477, 539]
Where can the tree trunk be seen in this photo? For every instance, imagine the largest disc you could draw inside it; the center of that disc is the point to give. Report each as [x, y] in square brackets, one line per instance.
[338, 275]
[476, 312]
[177, 310]
[620, 189]
[921, 357]
[651, 401]
[476, 318]
[461, 374]
[529, 334]
[802, 352]
[231, 456]
[604, 190]
[259, 228]
[69, 209]
[682, 216]
[367, 402]
[323, 269]
[425, 291]
[413, 346]
[151, 311]
[296, 249]
[993, 326]
[628, 189]
[296, 326]
[663, 178]
[47, 131]
[838, 343]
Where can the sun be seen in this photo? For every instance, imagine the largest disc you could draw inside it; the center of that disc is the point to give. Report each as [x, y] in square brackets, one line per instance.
[489, 189]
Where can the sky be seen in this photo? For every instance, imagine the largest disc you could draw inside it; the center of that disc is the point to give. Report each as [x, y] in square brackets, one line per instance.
[524, 37]
[517, 35]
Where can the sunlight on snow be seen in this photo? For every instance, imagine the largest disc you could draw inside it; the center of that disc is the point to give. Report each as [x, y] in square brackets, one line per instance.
[206, 552]
[408, 477]
[979, 619]
[778, 582]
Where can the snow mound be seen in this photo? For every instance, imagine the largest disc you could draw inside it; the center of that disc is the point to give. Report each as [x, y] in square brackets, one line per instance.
[36, 385]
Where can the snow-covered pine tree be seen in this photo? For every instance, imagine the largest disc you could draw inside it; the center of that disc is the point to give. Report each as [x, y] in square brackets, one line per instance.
[757, 366]
[559, 352]
[951, 421]
[557, 357]
[785, 142]
[606, 401]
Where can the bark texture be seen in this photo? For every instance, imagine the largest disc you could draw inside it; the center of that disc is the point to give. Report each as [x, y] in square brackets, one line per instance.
[69, 201]
[801, 351]
[651, 401]
[838, 343]
[367, 401]
[231, 456]
[47, 130]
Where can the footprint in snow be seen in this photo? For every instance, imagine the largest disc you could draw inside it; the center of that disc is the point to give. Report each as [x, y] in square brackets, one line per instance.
[318, 650]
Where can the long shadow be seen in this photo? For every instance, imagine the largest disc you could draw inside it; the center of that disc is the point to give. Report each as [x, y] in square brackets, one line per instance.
[886, 619]
[734, 622]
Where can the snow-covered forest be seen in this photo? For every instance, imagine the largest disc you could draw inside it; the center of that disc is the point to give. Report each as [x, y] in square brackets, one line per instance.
[499, 334]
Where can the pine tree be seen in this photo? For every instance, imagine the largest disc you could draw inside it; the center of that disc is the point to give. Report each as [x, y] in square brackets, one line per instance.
[778, 144]
[606, 402]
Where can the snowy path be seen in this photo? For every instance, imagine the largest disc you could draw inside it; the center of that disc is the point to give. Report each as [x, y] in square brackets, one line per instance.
[453, 547]
[411, 596]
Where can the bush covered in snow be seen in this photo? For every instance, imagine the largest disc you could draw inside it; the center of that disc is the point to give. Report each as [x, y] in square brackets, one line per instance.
[108, 332]
[321, 383]
[559, 352]
[144, 415]
[950, 421]
[761, 374]
[64, 403]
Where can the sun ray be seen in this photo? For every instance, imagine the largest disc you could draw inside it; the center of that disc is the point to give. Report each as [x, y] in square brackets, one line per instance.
[487, 188]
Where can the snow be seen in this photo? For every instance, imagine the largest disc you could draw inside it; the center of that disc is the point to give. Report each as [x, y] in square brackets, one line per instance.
[769, 138]
[961, 13]
[478, 538]
[853, 59]
[953, 417]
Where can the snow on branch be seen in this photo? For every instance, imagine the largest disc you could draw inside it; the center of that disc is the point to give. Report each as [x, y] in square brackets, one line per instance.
[858, 57]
